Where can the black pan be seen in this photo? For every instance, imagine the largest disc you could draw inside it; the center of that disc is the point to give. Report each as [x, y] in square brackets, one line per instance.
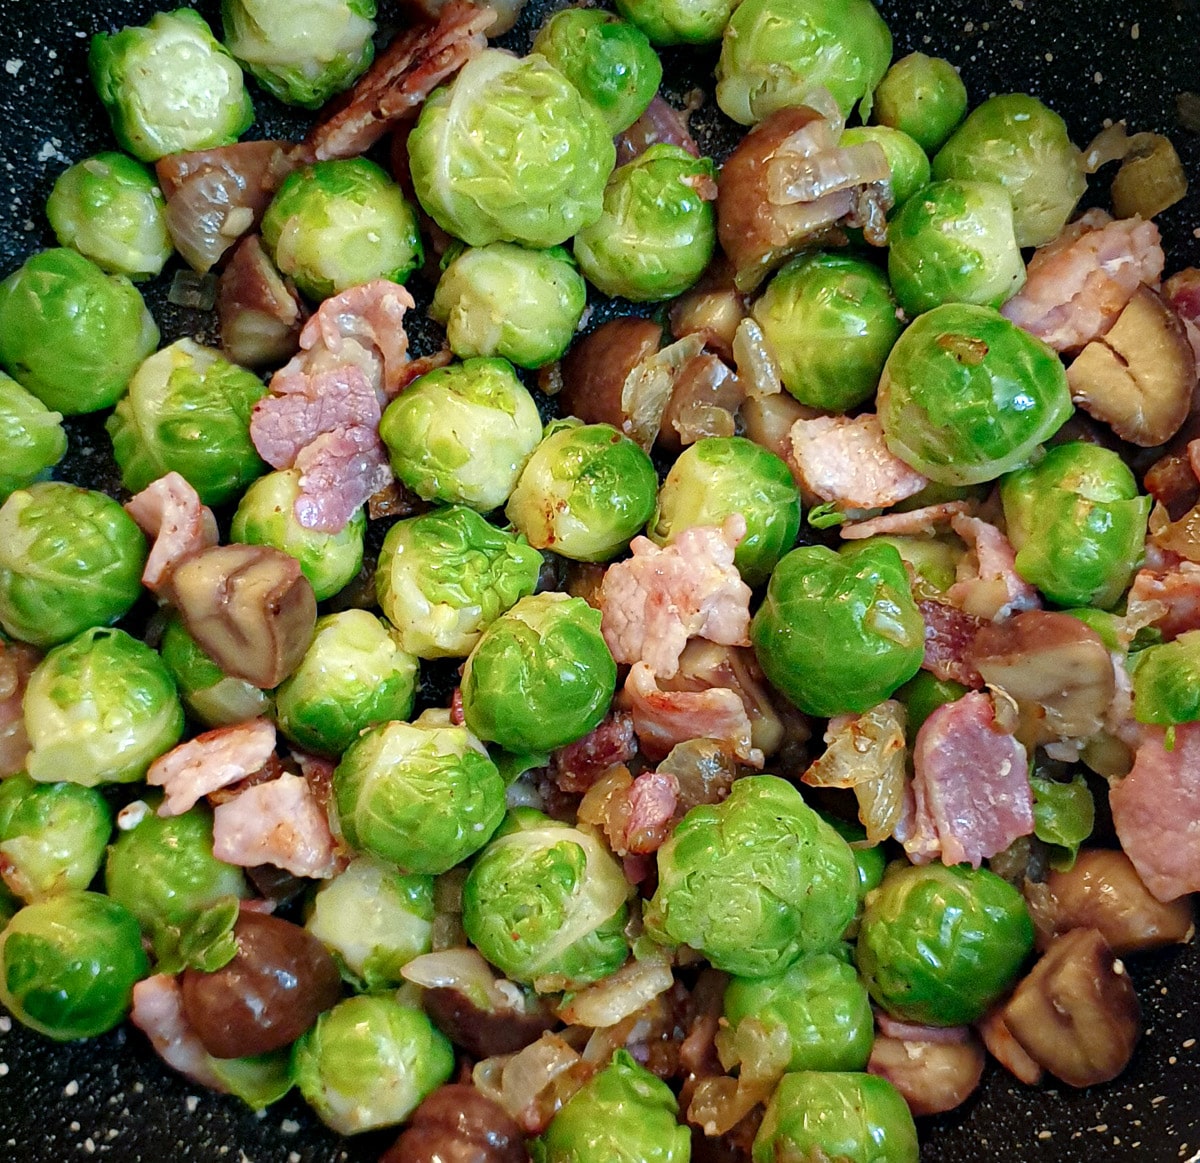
[1090, 60]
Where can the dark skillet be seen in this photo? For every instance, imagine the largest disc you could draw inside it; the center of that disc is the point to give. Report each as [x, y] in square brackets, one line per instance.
[1090, 61]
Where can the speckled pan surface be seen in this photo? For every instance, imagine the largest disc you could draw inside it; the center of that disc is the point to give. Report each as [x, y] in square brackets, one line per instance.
[1091, 61]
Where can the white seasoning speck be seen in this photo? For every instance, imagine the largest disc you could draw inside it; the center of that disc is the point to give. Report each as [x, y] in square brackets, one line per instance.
[89, 1145]
[1045, 1135]
[289, 1126]
[3, 1069]
[131, 815]
[293, 1157]
[13, 67]
[191, 1102]
[74, 1126]
[1049, 57]
[1135, 31]
[1097, 76]
[71, 1089]
[5, 1024]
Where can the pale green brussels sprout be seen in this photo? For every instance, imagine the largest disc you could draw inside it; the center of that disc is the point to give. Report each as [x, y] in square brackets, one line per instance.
[541, 676]
[1016, 142]
[506, 300]
[188, 411]
[1064, 814]
[68, 965]
[461, 434]
[776, 52]
[302, 51]
[907, 161]
[100, 709]
[923, 96]
[354, 675]
[667, 22]
[446, 575]
[422, 796]
[1165, 686]
[336, 224]
[109, 208]
[932, 564]
[169, 86]
[585, 491]
[510, 152]
[209, 695]
[52, 836]
[31, 435]
[70, 559]
[546, 904]
[71, 334]
[369, 1062]
[266, 515]
[374, 919]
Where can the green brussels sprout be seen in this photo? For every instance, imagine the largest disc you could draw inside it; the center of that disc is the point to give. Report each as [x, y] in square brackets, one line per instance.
[100, 709]
[966, 395]
[922, 695]
[657, 232]
[31, 435]
[830, 320]
[953, 243]
[585, 491]
[301, 51]
[938, 946]
[368, 1063]
[374, 919]
[1064, 815]
[931, 563]
[854, 1118]
[906, 160]
[546, 904]
[68, 965]
[839, 631]
[624, 1114]
[209, 695]
[541, 675]
[1077, 523]
[721, 475]
[776, 52]
[444, 576]
[924, 97]
[424, 797]
[610, 62]
[462, 434]
[1016, 142]
[503, 299]
[110, 209]
[1166, 681]
[266, 515]
[52, 836]
[71, 334]
[510, 151]
[354, 675]
[755, 882]
[70, 559]
[667, 22]
[169, 86]
[188, 411]
[869, 859]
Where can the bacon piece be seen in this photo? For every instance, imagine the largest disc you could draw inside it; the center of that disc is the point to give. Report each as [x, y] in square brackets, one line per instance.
[210, 761]
[914, 523]
[949, 633]
[17, 661]
[169, 511]
[653, 797]
[339, 472]
[260, 312]
[158, 1012]
[578, 765]
[1182, 292]
[660, 124]
[911, 1032]
[1176, 589]
[988, 584]
[506, 12]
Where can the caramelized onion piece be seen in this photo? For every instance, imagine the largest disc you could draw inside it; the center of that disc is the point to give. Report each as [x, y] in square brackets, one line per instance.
[1150, 179]
[595, 369]
[712, 309]
[704, 399]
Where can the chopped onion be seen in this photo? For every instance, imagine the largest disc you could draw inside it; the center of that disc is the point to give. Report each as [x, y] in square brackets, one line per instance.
[861, 748]
[1150, 179]
[647, 389]
[464, 970]
[623, 993]
[533, 1084]
[196, 292]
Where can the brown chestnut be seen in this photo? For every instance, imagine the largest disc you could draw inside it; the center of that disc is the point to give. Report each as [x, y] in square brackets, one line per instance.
[594, 371]
[459, 1124]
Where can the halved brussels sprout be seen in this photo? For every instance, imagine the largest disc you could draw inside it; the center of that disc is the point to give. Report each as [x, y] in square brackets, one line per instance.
[667, 22]
[906, 160]
[31, 435]
[923, 96]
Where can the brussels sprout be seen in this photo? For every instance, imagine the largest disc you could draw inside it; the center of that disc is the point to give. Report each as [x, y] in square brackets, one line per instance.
[754, 882]
[169, 86]
[68, 965]
[922, 695]
[667, 22]
[100, 709]
[721, 475]
[510, 152]
[906, 160]
[337, 224]
[444, 576]
[71, 334]
[266, 515]
[302, 51]
[541, 676]
[610, 62]
[923, 96]
[463, 433]
[1064, 815]
[830, 320]
[505, 300]
[52, 836]
[869, 859]
[953, 243]
[776, 52]
[966, 395]
[624, 1114]
[1166, 681]
[31, 435]
[657, 232]
[210, 696]
[854, 1118]
[1016, 142]
[70, 559]
[110, 209]
[839, 631]
[545, 904]
[423, 797]
[938, 946]
[188, 411]
[585, 491]
[1077, 523]
[369, 1062]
